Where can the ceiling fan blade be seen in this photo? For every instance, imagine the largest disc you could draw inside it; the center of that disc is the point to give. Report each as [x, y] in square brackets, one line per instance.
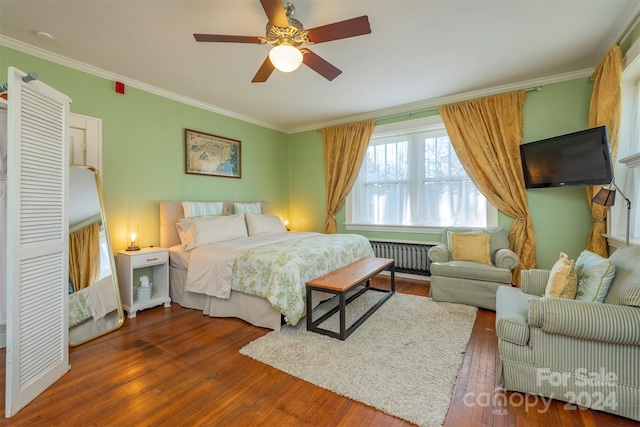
[340, 30]
[275, 12]
[319, 65]
[264, 72]
[226, 38]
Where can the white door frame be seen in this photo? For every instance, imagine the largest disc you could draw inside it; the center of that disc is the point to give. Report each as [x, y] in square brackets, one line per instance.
[92, 128]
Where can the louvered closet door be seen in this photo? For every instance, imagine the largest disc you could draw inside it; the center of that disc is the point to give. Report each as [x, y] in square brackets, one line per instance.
[37, 231]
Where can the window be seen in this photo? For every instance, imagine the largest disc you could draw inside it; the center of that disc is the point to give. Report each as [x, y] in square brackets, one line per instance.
[627, 167]
[412, 179]
[105, 255]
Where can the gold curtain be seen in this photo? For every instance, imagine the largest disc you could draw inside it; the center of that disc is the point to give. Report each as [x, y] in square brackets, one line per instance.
[486, 134]
[605, 109]
[344, 148]
[84, 256]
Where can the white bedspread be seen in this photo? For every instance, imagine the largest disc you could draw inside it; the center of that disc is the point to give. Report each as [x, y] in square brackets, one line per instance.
[272, 266]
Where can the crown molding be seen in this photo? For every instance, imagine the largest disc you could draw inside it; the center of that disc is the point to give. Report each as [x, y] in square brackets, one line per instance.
[397, 111]
[434, 103]
[108, 75]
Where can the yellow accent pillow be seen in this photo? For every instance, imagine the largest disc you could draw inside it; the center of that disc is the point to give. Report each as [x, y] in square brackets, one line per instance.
[471, 247]
[563, 280]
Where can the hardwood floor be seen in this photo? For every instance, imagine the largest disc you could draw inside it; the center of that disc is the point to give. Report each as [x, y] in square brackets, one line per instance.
[174, 366]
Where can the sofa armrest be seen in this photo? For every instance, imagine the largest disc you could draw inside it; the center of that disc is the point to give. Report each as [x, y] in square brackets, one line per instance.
[610, 323]
[439, 253]
[506, 258]
[534, 281]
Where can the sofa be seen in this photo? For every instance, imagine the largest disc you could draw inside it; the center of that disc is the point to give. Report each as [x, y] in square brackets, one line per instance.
[463, 274]
[583, 352]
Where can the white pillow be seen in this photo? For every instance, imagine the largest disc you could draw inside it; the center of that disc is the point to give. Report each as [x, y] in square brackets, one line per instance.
[203, 231]
[193, 209]
[264, 224]
[563, 280]
[253, 208]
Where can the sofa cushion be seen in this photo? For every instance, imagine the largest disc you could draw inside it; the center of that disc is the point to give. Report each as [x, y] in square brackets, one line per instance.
[631, 296]
[512, 311]
[563, 280]
[470, 247]
[595, 275]
[471, 270]
[625, 288]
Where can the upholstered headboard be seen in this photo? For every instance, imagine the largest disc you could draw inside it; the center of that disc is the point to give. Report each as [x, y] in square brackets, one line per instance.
[171, 211]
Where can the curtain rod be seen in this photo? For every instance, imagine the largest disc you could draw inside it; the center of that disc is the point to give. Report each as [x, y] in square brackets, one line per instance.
[629, 30]
[425, 110]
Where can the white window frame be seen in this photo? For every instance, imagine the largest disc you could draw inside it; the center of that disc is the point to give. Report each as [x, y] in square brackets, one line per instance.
[627, 168]
[425, 123]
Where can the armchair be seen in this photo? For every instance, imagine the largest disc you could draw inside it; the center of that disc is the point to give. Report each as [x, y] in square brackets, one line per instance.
[457, 279]
[586, 353]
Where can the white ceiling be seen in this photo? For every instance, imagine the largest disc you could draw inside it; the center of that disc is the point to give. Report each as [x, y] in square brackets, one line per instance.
[418, 51]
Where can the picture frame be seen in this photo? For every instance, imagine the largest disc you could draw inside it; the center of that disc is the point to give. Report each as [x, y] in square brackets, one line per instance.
[214, 155]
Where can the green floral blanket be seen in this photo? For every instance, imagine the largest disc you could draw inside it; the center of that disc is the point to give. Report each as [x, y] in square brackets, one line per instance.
[280, 272]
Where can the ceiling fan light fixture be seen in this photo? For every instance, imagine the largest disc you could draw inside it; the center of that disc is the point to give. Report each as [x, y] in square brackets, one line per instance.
[285, 57]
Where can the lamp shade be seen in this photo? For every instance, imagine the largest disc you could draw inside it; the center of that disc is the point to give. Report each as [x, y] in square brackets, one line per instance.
[605, 197]
[285, 58]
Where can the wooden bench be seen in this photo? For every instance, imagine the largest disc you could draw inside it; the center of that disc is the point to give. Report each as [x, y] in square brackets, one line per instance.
[342, 280]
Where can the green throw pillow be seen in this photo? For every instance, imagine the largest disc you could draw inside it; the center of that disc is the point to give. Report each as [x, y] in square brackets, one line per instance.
[595, 275]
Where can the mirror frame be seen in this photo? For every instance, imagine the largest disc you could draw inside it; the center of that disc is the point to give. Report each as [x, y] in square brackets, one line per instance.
[114, 272]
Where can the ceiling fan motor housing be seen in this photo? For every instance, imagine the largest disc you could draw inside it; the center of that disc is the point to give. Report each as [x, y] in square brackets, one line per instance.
[294, 34]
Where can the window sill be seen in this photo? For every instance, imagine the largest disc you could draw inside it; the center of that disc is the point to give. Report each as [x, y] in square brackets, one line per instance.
[620, 241]
[395, 228]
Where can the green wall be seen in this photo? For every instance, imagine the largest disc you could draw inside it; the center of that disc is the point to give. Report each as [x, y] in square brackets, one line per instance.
[143, 149]
[143, 159]
[561, 216]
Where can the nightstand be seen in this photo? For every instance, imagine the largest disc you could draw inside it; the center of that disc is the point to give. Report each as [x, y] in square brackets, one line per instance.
[151, 262]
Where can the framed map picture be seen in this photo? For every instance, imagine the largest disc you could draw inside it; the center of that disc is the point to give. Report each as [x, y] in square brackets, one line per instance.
[214, 155]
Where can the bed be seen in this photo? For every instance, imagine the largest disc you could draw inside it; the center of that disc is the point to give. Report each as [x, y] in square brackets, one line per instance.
[258, 277]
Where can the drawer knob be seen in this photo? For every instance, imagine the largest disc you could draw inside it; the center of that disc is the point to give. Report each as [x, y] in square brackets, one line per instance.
[152, 259]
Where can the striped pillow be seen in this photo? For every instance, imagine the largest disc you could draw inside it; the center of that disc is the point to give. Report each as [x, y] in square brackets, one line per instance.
[253, 208]
[193, 209]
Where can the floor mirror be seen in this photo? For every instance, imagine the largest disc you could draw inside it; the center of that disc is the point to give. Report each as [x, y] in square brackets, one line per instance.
[94, 300]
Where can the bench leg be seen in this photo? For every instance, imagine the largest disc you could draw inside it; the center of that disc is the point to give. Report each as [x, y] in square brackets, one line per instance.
[343, 320]
[309, 308]
[393, 278]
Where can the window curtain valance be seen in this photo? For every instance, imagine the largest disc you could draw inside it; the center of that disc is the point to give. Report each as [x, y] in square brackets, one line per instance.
[605, 109]
[486, 134]
[344, 148]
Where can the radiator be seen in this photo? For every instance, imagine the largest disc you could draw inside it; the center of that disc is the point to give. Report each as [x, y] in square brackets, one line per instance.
[410, 257]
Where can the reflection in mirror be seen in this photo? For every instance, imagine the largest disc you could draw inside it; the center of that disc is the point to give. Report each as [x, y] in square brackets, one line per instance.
[94, 300]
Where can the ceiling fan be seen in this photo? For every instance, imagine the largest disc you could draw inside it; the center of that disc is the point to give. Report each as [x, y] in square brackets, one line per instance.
[287, 34]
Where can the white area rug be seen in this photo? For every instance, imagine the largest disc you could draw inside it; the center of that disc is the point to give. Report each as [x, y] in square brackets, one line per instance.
[404, 360]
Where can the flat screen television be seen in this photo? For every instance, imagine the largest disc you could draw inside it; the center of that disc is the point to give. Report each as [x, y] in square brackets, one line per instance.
[579, 158]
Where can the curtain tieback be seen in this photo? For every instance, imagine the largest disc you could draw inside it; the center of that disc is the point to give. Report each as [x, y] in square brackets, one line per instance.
[600, 220]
